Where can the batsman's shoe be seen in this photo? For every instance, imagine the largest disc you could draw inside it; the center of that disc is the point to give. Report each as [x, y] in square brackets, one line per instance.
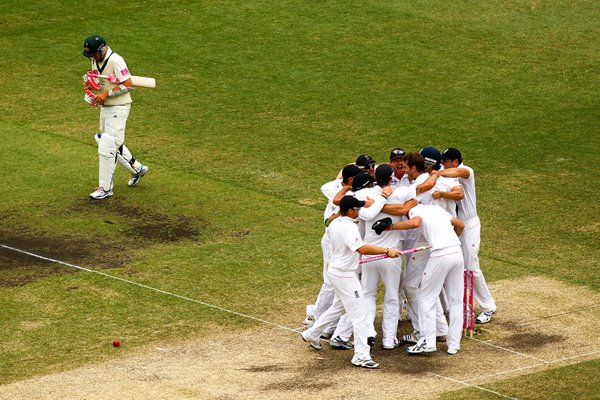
[411, 337]
[485, 317]
[136, 177]
[339, 344]
[421, 347]
[100, 193]
[314, 343]
[452, 351]
[364, 363]
[308, 321]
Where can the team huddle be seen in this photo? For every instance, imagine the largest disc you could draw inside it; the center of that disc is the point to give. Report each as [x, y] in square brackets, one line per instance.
[413, 225]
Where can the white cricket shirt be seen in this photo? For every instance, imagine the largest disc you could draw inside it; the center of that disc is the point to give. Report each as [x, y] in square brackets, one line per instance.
[467, 207]
[436, 228]
[113, 64]
[329, 190]
[344, 240]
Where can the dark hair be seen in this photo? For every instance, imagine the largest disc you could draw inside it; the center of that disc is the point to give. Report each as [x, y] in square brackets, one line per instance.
[414, 159]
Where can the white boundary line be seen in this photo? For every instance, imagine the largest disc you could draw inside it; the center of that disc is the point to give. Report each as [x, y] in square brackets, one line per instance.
[464, 383]
[148, 287]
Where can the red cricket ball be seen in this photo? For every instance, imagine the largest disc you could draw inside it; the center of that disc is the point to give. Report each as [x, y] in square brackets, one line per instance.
[116, 343]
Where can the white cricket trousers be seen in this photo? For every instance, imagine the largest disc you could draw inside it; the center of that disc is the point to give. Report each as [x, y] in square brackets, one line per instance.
[470, 240]
[113, 120]
[390, 271]
[412, 281]
[326, 294]
[348, 299]
[443, 271]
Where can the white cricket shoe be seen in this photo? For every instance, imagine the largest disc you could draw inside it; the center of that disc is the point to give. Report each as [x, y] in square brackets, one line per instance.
[411, 337]
[485, 317]
[421, 347]
[100, 193]
[314, 343]
[308, 321]
[338, 343]
[135, 178]
[452, 351]
[364, 362]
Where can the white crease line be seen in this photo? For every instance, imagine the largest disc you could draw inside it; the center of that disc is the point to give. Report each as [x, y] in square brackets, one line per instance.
[510, 351]
[579, 310]
[149, 287]
[464, 383]
[533, 366]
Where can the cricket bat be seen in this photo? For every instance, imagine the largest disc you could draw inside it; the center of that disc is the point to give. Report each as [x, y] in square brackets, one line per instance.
[139, 81]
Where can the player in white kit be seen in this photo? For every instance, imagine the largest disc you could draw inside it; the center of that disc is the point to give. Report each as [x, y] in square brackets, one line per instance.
[416, 263]
[471, 237]
[326, 294]
[362, 188]
[389, 270]
[346, 247]
[444, 269]
[115, 102]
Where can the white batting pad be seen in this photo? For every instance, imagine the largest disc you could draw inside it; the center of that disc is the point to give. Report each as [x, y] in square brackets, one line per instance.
[107, 151]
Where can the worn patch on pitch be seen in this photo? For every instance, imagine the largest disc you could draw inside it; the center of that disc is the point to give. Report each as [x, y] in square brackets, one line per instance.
[541, 323]
[134, 228]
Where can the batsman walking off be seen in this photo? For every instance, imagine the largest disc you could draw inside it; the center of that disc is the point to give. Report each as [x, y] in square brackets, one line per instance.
[115, 102]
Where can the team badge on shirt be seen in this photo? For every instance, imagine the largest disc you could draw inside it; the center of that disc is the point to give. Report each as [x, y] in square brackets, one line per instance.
[124, 72]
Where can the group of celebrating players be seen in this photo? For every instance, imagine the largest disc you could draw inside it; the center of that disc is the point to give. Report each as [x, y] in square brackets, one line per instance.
[411, 223]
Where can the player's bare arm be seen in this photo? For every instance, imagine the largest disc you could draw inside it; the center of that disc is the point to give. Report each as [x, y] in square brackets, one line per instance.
[455, 194]
[458, 225]
[455, 173]
[331, 218]
[370, 250]
[400, 209]
[412, 223]
[343, 191]
[428, 184]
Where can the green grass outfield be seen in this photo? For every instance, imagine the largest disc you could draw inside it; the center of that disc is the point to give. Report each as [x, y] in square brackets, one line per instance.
[257, 104]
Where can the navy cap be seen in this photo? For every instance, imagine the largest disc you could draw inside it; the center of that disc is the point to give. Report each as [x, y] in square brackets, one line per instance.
[397, 153]
[361, 181]
[452, 154]
[349, 202]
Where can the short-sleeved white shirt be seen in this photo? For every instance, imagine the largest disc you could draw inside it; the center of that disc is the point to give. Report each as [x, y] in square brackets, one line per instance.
[467, 207]
[344, 240]
[435, 227]
[113, 64]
